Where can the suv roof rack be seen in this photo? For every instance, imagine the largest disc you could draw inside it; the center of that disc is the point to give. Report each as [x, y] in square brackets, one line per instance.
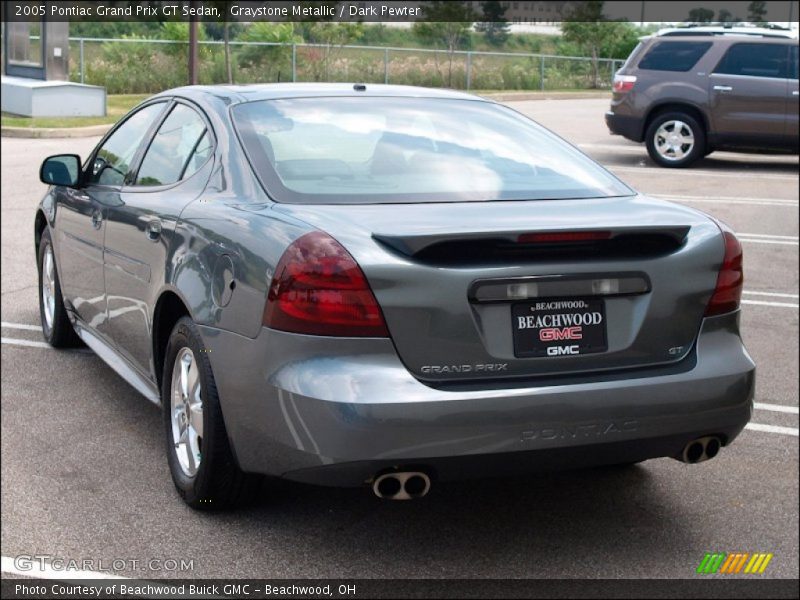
[710, 29]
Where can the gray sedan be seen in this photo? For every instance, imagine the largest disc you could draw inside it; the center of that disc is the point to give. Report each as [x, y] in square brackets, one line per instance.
[388, 287]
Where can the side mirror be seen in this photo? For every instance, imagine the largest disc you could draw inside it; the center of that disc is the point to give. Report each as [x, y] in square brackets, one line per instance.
[62, 169]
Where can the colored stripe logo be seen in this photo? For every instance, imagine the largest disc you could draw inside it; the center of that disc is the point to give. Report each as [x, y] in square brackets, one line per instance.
[735, 562]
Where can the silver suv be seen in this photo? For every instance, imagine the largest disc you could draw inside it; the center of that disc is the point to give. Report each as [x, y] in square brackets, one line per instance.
[690, 94]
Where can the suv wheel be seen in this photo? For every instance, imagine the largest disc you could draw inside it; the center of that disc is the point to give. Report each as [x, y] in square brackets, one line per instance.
[200, 458]
[675, 139]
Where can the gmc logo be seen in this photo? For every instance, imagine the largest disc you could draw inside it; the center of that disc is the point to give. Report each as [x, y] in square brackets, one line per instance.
[552, 334]
[556, 350]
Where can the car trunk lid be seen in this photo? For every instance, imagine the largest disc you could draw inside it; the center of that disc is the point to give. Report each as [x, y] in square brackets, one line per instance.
[481, 291]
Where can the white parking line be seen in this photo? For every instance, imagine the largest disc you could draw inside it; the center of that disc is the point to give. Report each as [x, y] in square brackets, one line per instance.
[772, 429]
[21, 326]
[769, 236]
[773, 294]
[704, 173]
[792, 410]
[640, 149]
[47, 572]
[762, 241]
[780, 304]
[727, 200]
[31, 343]
[763, 238]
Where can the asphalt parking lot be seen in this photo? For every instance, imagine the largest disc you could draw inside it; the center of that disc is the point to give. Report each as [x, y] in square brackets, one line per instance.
[84, 475]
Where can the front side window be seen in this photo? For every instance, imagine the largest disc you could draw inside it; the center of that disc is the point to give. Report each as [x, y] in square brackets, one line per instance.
[113, 161]
[379, 150]
[793, 62]
[674, 56]
[755, 60]
[172, 154]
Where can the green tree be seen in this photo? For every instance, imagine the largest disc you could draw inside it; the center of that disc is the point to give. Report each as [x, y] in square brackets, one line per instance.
[494, 25]
[588, 28]
[178, 31]
[725, 16]
[446, 23]
[267, 57]
[701, 15]
[332, 37]
[757, 11]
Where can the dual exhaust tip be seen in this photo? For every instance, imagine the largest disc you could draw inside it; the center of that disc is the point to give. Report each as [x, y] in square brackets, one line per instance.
[402, 485]
[701, 450]
[409, 485]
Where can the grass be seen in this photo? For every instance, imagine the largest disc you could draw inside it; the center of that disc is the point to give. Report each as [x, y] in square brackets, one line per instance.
[116, 106]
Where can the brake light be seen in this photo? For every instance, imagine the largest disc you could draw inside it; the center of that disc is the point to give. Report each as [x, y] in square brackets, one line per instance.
[563, 236]
[319, 289]
[623, 83]
[730, 280]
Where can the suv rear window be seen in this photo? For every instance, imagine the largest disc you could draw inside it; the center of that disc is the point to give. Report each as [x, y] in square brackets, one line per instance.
[674, 56]
[755, 60]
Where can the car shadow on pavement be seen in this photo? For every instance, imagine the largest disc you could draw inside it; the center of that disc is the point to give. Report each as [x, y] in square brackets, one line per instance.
[483, 522]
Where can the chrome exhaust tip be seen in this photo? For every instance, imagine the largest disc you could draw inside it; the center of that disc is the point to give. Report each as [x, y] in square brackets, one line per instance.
[401, 485]
[701, 450]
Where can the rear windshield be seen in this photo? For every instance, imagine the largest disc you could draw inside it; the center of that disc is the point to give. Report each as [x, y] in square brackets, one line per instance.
[674, 56]
[378, 149]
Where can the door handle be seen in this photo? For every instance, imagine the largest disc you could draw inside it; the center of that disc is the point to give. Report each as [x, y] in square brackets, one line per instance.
[795, 93]
[97, 219]
[153, 230]
[723, 88]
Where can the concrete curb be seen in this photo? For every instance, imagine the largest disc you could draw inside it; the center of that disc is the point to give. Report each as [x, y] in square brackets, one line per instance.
[54, 132]
[523, 96]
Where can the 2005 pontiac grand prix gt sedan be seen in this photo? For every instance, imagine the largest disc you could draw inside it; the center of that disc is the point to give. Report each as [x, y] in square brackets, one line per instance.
[387, 286]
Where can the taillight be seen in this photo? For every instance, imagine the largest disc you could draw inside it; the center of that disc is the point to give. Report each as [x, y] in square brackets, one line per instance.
[319, 289]
[623, 83]
[728, 293]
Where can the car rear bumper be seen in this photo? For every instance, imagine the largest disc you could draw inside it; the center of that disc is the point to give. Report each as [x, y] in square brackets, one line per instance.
[626, 126]
[336, 411]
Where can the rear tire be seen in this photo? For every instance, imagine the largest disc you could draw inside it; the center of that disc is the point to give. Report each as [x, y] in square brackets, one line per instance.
[56, 327]
[675, 140]
[203, 467]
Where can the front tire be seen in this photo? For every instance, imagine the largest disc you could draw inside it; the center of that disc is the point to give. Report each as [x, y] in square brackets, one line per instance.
[675, 140]
[203, 468]
[56, 327]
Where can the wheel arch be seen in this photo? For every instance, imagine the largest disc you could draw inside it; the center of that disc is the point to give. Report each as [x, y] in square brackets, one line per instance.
[169, 308]
[39, 224]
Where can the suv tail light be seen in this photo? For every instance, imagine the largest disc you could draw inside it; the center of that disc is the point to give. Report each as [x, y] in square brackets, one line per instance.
[623, 83]
[319, 289]
[730, 280]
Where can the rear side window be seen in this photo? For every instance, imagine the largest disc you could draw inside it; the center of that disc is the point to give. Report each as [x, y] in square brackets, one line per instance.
[170, 156]
[674, 56]
[755, 60]
[793, 62]
[636, 51]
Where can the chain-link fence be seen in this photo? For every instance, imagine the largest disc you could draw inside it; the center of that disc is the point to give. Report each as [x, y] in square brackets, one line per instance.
[131, 66]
